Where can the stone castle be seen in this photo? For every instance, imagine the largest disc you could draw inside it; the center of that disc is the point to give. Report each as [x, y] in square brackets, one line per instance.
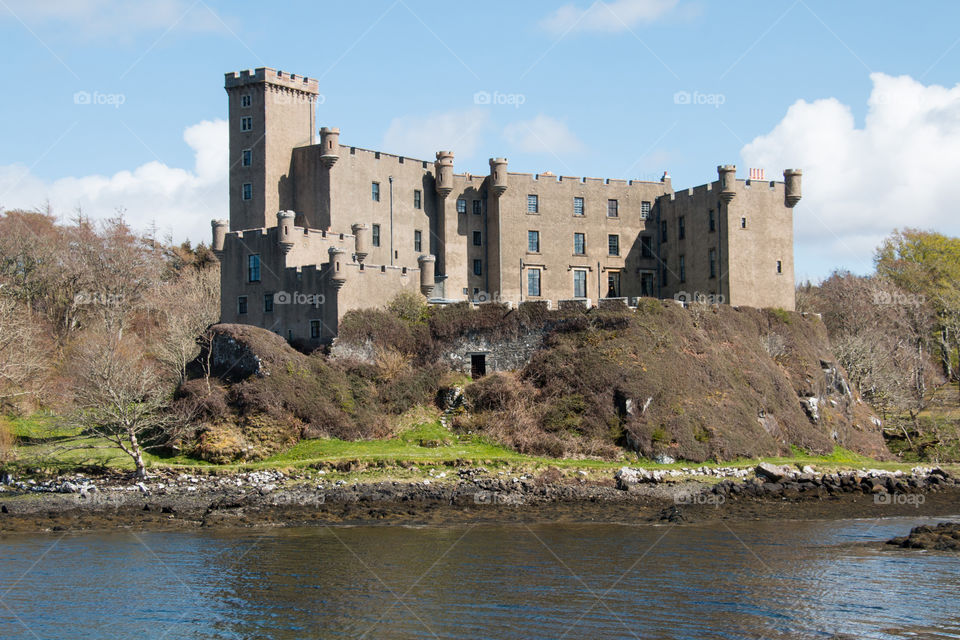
[318, 229]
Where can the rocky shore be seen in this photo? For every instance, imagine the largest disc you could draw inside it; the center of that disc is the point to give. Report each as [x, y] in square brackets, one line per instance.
[471, 495]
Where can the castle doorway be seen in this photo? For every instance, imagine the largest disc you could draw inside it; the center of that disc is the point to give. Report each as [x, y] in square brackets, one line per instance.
[478, 365]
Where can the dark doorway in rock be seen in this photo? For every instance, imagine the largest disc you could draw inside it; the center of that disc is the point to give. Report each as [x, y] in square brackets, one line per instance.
[478, 365]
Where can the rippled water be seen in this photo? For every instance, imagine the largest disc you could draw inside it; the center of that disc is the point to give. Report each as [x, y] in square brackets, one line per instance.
[746, 579]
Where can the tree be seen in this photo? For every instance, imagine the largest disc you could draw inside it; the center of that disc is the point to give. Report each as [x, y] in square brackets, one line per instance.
[23, 359]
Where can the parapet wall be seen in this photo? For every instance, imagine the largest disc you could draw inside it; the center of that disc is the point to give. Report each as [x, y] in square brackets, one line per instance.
[271, 76]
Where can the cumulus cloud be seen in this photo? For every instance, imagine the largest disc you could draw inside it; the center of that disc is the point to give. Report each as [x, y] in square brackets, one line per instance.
[617, 15]
[542, 134]
[181, 202]
[423, 136]
[899, 170]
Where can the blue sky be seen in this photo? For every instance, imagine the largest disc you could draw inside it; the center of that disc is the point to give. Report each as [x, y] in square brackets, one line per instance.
[858, 94]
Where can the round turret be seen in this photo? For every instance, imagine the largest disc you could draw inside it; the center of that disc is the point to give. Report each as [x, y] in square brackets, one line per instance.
[427, 280]
[219, 235]
[728, 181]
[338, 273]
[498, 175]
[285, 225]
[329, 146]
[361, 236]
[792, 179]
[444, 170]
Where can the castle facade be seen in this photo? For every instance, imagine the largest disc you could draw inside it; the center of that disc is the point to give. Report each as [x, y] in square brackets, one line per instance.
[318, 228]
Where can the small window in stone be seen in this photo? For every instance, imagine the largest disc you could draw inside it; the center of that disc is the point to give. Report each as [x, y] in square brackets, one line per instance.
[268, 303]
[613, 244]
[253, 268]
[353, 151]
[477, 239]
[613, 209]
[713, 221]
[477, 207]
[578, 206]
[579, 283]
[713, 263]
[246, 159]
[242, 305]
[246, 123]
[245, 100]
[375, 235]
[743, 223]
[533, 203]
[417, 240]
[417, 199]
[683, 270]
[478, 267]
[533, 282]
[663, 277]
[644, 210]
[579, 244]
[247, 191]
[646, 247]
[533, 242]
[681, 228]
[663, 231]
[314, 329]
[375, 191]
[779, 266]
[461, 205]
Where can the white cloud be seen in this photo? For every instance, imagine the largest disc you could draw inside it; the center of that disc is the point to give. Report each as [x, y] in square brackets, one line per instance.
[181, 202]
[97, 18]
[543, 134]
[899, 170]
[422, 136]
[617, 15]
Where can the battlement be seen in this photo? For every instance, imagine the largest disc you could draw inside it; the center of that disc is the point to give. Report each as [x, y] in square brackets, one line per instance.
[271, 76]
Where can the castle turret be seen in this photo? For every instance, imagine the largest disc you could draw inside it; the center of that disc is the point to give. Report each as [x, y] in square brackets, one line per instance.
[330, 145]
[498, 175]
[427, 278]
[219, 236]
[444, 170]
[792, 179]
[728, 181]
[361, 237]
[338, 274]
[285, 225]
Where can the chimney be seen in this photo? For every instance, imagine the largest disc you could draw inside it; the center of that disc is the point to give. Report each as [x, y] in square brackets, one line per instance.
[757, 174]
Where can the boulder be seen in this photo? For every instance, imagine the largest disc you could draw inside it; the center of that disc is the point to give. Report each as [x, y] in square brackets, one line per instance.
[772, 472]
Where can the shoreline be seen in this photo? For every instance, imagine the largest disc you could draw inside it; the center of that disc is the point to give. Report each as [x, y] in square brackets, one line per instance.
[170, 501]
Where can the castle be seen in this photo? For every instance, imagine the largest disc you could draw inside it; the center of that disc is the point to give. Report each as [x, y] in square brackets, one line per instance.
[316, 230]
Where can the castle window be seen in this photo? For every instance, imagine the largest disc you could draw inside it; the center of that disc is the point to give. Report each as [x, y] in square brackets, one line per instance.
[533, 242]
[314, 329]
[477, 239]
[246, 123]
[613, 284]
[461, 205]
[268, 303]
[375, 235]
[417, 199]
[478, 267]
[713, 221]
[533, 282]
[579, 283]
[245, 100]
[779, 266]
[681, 229]
[477, 207]
[246, 191]
[663, 277]
[242, 305]
[743, 223]
[533, 203]
[578, 206]
[375, 191]
[646, 247]
[683, 270]
[613, 209]
[253, 268]
[417, 240]
[579, 244]
[663, 231]
[246, 158]
[713, 263]
[613, 244]
[644, 210]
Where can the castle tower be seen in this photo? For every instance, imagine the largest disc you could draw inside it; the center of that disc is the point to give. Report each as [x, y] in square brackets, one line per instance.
[728, 181]
[452, 259]
[791, 180]
[270, 113]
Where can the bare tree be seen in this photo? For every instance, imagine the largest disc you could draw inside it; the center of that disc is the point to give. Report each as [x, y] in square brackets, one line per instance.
[23, 360]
